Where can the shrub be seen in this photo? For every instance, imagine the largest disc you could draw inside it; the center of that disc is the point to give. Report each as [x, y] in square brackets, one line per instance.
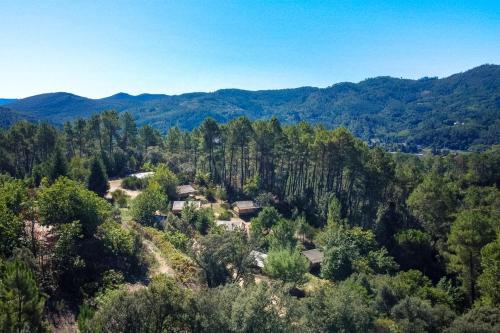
[134, 183]
[287, 265]
[120, 198]
[220, 193]
[147, 203]
[225, 215]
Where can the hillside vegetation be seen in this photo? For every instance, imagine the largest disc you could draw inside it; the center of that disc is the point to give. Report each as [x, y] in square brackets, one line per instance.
[409, 243]
[458, 112]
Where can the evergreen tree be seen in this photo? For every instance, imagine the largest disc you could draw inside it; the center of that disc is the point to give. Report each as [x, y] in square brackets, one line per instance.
[98, 180]
[471, 231]
[489, 281]
[21, 303]
[58, 166]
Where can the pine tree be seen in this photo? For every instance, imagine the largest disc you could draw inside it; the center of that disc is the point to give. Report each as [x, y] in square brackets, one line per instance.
[58, 166]
[98, 180]
[21, 303]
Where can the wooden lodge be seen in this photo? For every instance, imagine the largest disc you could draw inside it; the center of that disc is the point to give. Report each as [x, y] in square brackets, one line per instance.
[245, 207]
[184, 191]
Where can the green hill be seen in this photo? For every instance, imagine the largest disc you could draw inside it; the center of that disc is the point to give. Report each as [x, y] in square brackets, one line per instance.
[456, 112]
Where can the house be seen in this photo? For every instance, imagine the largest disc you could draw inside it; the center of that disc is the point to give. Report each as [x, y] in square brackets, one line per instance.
[245, 207]
[314, 256]
[259, 258]
[234, 224]
[177, 206]
[184, 191]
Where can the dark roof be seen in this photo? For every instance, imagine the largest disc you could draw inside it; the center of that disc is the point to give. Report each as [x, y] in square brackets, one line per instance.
[315, 256]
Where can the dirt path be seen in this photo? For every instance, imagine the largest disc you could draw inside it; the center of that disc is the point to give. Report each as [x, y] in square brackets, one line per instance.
[162, 266]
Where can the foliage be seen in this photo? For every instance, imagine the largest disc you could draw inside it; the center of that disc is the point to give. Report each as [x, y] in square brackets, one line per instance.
[166, 179]
[261, 309]
[471, 231]
[437, 215]
[162, 307]
[200, 219]
[225, 215]
[262, 224]
[283, 235]
[120, 198]
[179, 240]
[66, 201]
[431, 203]
[134, 183]
[116, 240]
[183, 265]
[21, 303]
[348, 250]
[414, 249]
[414, 315]
[344, 308]
[287, 265]
[98, 180]
[223, 257]
[58, 166]
[251, 187]
[481, 319]
[489, 280]
[257, 308]
[13, 194]
[147, 203]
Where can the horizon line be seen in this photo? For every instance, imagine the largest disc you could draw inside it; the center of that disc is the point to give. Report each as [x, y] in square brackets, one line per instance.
[247, 90]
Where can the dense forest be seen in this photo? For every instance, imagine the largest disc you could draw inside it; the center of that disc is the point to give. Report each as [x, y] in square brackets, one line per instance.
[459, 112]
[410, 243]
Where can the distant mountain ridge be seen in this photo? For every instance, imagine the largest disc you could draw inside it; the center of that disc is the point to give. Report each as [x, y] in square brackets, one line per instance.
[454, 112]
[4, 101]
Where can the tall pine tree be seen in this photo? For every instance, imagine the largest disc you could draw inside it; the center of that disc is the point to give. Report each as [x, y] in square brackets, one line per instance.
[98, 179]
[58, 167]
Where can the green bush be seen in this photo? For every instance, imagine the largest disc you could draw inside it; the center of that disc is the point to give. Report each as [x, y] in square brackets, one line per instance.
[134, 183]
[225, 215]
[120, 198]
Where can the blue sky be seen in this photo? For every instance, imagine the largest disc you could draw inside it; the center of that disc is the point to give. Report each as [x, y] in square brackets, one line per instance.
[98, 48]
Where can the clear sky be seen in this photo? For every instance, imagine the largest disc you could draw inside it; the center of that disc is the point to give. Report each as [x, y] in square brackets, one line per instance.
[98, 48]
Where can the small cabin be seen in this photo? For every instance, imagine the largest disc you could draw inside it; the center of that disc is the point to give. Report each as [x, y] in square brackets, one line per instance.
[245, 207]
[184, 191]
[178, 206]
[314, 256]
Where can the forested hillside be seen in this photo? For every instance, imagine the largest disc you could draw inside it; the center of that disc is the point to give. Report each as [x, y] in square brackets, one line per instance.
[401, 243]
[458, 112]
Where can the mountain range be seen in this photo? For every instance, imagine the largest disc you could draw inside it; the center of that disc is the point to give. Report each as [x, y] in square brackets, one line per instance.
[457, 112]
